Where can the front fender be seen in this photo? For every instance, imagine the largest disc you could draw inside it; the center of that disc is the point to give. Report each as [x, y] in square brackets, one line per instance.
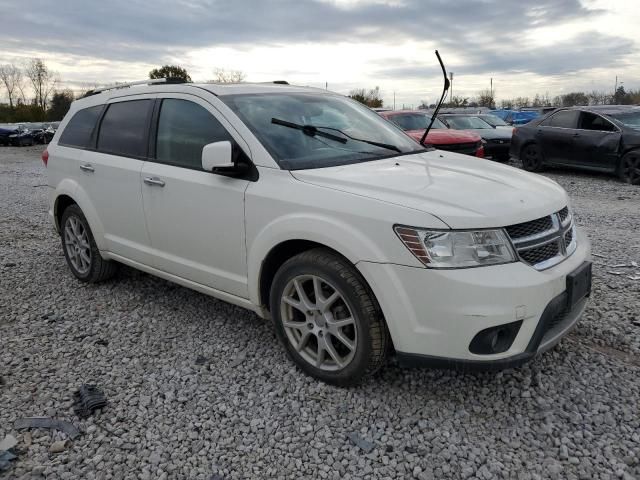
[74, 190]
[329, 231]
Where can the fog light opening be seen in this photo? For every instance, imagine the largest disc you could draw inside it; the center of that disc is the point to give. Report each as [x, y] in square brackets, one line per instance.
[496, 339]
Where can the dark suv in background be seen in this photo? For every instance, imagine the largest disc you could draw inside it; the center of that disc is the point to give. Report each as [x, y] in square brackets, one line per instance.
[602, 138]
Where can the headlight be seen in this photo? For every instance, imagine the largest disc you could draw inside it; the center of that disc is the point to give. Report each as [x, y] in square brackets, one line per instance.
[457, 248]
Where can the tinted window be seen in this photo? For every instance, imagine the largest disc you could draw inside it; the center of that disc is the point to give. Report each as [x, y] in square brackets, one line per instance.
[124, 129]
[77, 133]
[563, 119]
[183, 129]
[591, 121]
[415, 121]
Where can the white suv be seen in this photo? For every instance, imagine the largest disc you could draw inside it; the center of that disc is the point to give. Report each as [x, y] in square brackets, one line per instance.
[312, 210]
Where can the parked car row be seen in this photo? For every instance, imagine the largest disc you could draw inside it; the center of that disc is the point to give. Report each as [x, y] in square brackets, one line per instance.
[480, 135]
[25, 134]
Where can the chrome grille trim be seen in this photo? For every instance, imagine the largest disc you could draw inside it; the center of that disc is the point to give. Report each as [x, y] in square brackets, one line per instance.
[545, 247]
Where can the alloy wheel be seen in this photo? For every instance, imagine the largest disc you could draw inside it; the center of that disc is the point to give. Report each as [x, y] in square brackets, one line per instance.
[531, 158]
[76, 243]
[631, 169]
[318, 322]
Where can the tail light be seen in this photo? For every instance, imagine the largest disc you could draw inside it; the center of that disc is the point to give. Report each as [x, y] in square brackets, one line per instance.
[514, 131]
[45, 157]
[480, 151]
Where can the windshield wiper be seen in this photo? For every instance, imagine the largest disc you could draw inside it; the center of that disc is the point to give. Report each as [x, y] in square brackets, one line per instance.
[312, 130]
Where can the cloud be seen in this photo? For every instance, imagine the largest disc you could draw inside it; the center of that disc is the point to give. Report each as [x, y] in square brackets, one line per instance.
[138, 30]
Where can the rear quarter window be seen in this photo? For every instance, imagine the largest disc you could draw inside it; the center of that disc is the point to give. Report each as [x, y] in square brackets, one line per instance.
[78, 131]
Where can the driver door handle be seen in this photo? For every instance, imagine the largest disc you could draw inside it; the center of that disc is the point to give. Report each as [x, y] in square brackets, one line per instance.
[153, 181]
[87, 167]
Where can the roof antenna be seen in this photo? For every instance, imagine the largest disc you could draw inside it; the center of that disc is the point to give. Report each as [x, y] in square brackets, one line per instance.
[444, 93]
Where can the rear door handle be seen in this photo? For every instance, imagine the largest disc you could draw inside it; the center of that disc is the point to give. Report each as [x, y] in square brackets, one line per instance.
[87, 167]
[154, 181]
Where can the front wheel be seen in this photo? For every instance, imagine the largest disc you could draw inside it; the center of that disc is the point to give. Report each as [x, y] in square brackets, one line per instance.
[80, 249]
[532, 157]
[328, 319]
[629, 170]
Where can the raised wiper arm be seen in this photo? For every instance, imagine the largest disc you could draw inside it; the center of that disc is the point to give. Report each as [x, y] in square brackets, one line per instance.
[308, 130]
[312, 130]
[437, 109]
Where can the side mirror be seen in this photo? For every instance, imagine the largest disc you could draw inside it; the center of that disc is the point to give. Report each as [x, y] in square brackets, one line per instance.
[217, 156]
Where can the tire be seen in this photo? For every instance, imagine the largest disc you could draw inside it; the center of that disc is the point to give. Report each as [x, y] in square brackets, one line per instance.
[629, 169]
[351, 328]
[85, 261]
[531, 157]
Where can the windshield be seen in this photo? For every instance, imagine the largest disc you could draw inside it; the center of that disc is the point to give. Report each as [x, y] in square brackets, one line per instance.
[463, 123]
[495, 121]
[631, 119]
[415, 121]
[295, 149]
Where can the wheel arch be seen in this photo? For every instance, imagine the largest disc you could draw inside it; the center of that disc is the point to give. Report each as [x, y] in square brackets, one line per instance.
[70, 193]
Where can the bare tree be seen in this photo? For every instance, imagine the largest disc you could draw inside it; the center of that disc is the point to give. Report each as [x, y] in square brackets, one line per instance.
[227, 76]
[11, 77]
[43, 81]
[370, 98]
[486, 98]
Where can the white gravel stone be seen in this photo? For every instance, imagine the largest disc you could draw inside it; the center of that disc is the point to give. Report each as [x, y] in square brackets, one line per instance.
[246, 412]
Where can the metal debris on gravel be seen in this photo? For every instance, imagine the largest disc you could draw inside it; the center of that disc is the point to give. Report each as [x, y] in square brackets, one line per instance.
[570, 414]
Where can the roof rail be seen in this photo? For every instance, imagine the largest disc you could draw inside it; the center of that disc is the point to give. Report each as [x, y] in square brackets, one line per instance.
[167, 80]
[280, 82]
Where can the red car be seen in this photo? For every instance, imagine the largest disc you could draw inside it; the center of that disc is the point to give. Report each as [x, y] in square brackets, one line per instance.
[440, 136]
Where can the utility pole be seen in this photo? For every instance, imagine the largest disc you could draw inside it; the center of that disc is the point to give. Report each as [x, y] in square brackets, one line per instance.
[394, 99]
[492, 102]
[326, 85]
[451, 86]
[615, 89]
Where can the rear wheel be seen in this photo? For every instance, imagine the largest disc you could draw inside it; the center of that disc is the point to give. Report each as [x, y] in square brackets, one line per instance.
[531, 157]
[80, 249]
[629, 170]
[327, 318]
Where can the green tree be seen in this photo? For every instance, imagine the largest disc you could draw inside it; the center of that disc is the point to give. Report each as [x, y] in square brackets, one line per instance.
[60, 104]
[170, 71]
[370, 98]
[621, 97]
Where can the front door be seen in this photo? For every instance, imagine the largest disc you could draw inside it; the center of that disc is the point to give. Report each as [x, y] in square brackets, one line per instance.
[597, 143]
[195, 218]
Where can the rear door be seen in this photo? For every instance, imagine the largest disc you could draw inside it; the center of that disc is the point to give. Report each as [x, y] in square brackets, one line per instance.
[597, 142]
[195, 218]
[556, 136]
[111, 175]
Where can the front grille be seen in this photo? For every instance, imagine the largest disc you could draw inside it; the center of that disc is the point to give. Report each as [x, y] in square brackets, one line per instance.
[499, 141]
[568, 237]
[527, 229]
[543, 242]
[564, 213]
[464, 148]
[537, 255]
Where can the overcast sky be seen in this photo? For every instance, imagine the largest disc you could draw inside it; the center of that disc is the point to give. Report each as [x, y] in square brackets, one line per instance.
[541, 46]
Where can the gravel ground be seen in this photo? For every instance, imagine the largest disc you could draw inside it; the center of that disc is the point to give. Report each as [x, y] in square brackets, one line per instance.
[198, 388]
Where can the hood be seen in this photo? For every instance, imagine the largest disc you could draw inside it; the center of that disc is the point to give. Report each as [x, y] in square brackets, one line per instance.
[462, 191]
[445, 136]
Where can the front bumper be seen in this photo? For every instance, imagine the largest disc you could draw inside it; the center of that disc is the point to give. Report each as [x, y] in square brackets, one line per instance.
[433, 315]
[497, 150]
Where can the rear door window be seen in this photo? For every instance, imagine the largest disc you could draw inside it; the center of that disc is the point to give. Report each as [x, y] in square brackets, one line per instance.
[591, 121]
[184, 128]
[563, 119]
[124, 129]
[78, 131]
